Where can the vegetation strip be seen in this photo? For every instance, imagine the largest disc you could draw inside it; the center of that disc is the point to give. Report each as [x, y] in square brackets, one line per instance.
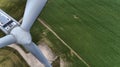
[45, 25]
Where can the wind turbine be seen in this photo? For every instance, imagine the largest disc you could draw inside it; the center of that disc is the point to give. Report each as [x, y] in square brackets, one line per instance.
[20, 34]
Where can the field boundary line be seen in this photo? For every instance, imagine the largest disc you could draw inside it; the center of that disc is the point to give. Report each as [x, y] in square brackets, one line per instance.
[55, 34]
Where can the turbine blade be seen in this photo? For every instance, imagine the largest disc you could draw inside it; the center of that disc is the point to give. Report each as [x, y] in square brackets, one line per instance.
[37, 53]
[32, 10]
[7, 40]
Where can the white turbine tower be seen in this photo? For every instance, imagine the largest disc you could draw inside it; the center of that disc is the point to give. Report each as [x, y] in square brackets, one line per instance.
[20, 34]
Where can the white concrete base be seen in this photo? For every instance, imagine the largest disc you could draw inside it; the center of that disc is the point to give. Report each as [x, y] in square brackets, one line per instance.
[30, 59]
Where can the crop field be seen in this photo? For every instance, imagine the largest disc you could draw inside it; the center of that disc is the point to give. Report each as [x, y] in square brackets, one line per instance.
[89, 30]
[90, 27]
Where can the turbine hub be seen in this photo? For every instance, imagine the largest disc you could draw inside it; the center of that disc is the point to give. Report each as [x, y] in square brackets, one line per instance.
[22, 37]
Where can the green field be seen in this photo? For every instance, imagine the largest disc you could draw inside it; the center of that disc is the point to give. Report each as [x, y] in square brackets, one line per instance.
[90, 27]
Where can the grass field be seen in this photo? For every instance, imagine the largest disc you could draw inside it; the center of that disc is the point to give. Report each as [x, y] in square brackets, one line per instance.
[90, 27]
